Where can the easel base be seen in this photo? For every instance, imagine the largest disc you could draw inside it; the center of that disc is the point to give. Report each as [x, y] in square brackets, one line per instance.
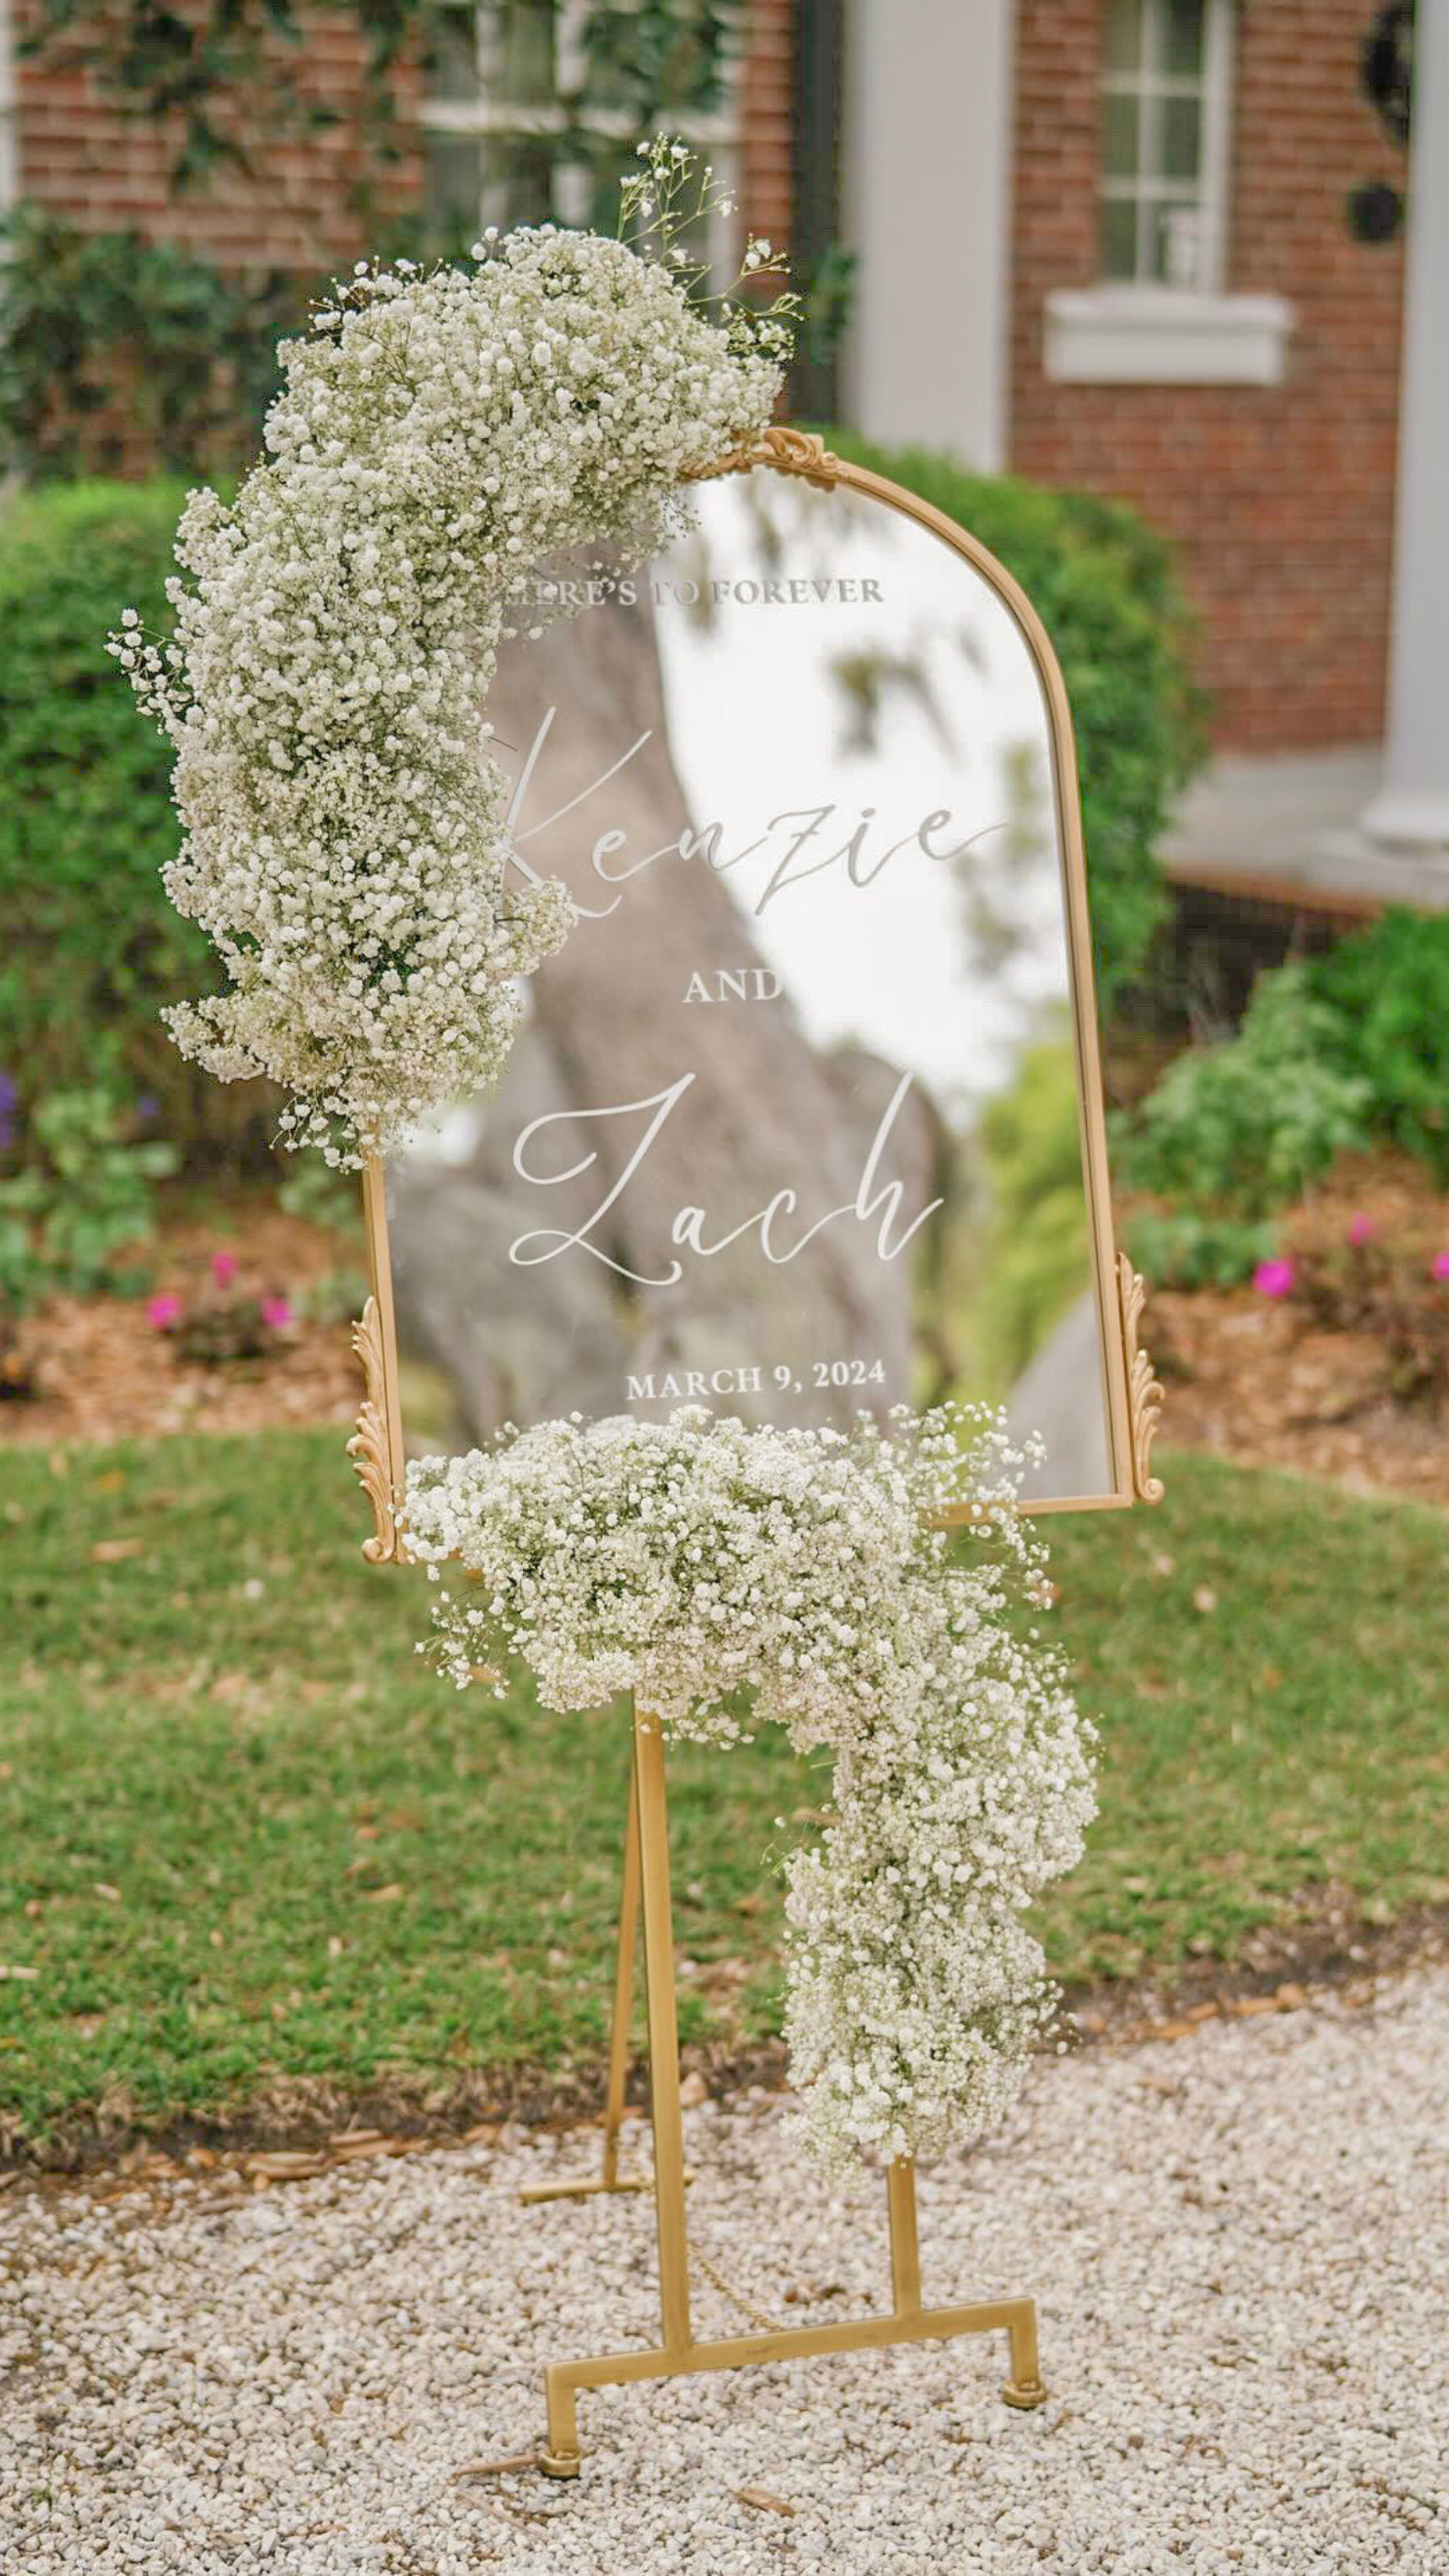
[538, 2191]
[646, 1876]
[564, 2379]
[589, 2185]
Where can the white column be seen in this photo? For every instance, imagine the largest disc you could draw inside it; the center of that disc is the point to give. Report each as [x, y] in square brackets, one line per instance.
[926, 205]
[1412, 805]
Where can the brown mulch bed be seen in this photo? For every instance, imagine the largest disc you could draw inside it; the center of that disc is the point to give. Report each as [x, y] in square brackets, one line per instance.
[102, 1372]
[1246, 1376]
[1253, 1378]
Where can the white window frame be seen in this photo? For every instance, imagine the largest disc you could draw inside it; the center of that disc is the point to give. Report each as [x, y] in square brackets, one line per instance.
[492, 116]
[1152, 87]
[1140, 330]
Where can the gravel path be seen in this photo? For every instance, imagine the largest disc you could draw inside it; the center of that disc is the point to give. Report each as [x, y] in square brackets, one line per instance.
[1240, 2243]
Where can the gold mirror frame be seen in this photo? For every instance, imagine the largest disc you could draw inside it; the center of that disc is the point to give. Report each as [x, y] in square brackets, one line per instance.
[1134, 1397]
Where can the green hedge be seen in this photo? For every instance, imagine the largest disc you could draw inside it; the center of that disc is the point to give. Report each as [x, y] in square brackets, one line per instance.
[1388, 991]
[92, 948]
[85, 816]
[1103, 584]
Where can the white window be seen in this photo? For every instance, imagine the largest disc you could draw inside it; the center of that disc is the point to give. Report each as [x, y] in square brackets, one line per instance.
[519, 124]
[1164, 142]
[1160, 312]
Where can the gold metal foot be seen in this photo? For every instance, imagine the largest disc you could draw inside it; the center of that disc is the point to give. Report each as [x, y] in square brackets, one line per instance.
[1024, 2393]
[594, 2183]
[560, 2455]
[538, 2191]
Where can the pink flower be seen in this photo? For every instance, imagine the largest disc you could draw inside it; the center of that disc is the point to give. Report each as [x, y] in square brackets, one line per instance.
[276, 1314]
[1274, 1278]
[164, 1311]
[1440, 1265]
[1360, 1229]
[223, 1268]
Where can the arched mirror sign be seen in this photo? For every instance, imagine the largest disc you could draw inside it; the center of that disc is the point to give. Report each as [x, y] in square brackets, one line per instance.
[805, 1117]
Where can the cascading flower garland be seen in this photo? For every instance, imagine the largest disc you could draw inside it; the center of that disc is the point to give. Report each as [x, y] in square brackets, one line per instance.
[440, 439]
[725, 1575]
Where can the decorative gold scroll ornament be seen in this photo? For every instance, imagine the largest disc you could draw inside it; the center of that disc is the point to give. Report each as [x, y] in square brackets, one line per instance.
[369, 1448]
[1144, 1392]
[790, 451]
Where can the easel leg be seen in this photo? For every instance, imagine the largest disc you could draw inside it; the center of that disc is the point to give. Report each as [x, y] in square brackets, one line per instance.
[623, 1987]
[905, 2246]
[665, 2111]
[1025, 2388]
[610, 2178]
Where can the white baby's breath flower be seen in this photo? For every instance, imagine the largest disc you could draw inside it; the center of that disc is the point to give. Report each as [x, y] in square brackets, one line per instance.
[725, 1574]
[345, 846]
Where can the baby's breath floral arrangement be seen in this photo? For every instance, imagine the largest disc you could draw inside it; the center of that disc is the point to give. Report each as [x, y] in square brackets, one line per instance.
[440, 439]
[727, 1574]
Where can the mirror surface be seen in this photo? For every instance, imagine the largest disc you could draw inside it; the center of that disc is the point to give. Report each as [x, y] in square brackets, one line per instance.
[791, 1128]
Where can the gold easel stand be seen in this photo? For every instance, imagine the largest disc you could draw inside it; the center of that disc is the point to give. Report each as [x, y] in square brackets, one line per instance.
[646, 1859]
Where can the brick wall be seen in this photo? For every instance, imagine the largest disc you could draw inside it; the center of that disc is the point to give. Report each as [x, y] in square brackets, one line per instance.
[106, 171]
[766, 112]
[103, 170]
[1278, 500]
[83, 157]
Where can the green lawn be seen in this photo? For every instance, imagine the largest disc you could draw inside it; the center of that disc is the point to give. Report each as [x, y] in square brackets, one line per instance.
[244, 1833]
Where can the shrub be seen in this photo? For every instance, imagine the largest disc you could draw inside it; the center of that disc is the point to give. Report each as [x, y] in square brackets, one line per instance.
[1239, 1128]
[1388, 991]
[87, 1193]
[243, 1327]
[1182, 1248]
[310, 1189]
[1332, 1052]
[1399, 1293]
[1103, 585]
[92, 947]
